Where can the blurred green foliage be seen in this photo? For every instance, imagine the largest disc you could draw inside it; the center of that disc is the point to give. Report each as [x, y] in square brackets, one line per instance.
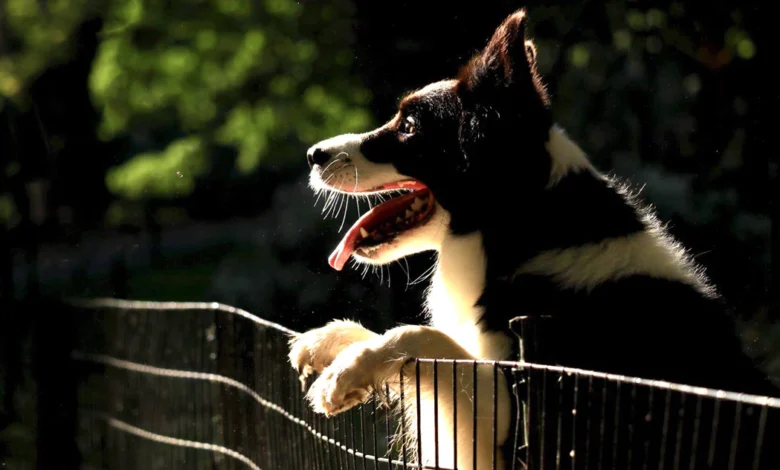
[41, 38]
[262, 79]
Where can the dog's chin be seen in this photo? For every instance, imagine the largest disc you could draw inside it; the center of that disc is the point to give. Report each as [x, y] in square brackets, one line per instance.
[425, 237]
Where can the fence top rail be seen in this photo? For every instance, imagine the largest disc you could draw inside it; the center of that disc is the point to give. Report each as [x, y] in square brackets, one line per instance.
[167, 306]
[772, 402]
[650, 383]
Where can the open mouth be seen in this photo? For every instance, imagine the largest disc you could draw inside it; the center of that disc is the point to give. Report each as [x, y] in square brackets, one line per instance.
[386, 221]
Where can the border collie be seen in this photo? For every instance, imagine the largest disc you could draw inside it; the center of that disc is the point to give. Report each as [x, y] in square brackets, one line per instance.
[523, 224]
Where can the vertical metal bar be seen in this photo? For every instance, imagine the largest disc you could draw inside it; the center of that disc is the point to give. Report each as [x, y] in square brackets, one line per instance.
[665, 432]
[344, 438]
[588, 421]
[261, 429]
[335, 452]
[542, 448]
[560, 422]
[363, 434]
[495, 414]
[375, 437]
[454, 414]
[297, 400]
[322, 445]
[518, 416]
[336, 448]
[403, 419]
[312, 423]
[317, 442]
[282, 397]
[435, 413]
[388, 434]
[474, 416]
[354, 439]
[735, 435]
[523, 328]
[678, 444]
[199, 401]
[337, 432]
[631, 421]
[651, 393]
[349, 424]
[267, 381]
[573, 452]
[713, 438]
[760, 437]
[315, 449]
[602, 427]
[615, 432]
[209, 386]
[251, 381]
[695, 439]
[418, 412]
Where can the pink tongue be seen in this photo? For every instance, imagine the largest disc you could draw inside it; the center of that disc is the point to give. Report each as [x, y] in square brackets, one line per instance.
[368, 221]
[340, 255]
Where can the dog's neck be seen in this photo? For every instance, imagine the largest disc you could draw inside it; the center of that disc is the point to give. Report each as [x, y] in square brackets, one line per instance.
[461, 274]
[456, 286]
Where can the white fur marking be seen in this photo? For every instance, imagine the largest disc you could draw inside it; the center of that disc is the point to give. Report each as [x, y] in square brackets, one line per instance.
[566, 156]
[456, 286]
[587, 266]
[354, 172]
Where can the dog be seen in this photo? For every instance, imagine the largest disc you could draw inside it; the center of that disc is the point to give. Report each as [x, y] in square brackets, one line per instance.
[523, 224]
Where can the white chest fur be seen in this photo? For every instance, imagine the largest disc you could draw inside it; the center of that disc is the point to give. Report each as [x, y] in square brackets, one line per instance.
[451, 300]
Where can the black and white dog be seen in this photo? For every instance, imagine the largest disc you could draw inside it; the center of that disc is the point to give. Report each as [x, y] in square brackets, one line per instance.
[523, 225]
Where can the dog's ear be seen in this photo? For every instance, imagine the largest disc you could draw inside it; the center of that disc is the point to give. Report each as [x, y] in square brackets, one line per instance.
[507, 63]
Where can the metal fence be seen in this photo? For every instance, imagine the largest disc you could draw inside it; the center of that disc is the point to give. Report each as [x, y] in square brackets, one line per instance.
[192, 385]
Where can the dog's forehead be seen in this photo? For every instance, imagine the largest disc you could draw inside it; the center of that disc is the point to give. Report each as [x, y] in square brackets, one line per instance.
[430, 92]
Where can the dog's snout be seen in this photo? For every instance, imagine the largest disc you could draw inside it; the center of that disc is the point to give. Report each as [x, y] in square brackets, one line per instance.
[317, 156]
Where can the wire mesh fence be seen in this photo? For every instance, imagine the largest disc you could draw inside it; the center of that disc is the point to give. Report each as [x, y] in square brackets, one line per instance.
[186, 385]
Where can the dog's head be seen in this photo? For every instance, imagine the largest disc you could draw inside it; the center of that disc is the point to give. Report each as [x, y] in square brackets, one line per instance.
[453, 156]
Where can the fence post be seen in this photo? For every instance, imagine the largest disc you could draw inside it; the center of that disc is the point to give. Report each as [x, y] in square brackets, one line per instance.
[530, 330]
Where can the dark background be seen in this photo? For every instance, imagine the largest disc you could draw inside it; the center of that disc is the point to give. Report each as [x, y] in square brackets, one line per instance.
[156, 150]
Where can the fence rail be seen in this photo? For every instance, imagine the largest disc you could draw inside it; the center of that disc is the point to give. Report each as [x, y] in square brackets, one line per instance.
[204, 385]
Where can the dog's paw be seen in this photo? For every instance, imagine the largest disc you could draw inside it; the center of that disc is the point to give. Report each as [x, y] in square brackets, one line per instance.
[316, 349]
[345, 383]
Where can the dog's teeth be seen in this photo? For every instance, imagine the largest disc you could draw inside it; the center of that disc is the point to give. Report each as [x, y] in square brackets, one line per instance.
[398, 220]
[409, 213]
[363, 232]
[417, 204]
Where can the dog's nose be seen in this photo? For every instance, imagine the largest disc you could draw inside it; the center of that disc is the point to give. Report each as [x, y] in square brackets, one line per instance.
[317, 156]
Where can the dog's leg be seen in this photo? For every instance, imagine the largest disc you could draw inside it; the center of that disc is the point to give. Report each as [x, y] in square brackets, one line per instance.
[366, 365]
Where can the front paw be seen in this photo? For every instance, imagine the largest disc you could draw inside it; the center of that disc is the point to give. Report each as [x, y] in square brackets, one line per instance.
[316, 349]
[347, 382]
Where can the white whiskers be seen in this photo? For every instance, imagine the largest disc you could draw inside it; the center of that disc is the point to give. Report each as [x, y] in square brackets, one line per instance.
[329, 185]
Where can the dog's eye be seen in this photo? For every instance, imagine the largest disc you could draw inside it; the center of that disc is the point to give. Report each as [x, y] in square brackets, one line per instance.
[409, 125]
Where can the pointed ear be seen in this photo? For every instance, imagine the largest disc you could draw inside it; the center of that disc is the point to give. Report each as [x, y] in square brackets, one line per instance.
[508, 61]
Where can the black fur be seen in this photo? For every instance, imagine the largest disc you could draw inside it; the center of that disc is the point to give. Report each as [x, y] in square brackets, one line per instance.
[480, 147]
